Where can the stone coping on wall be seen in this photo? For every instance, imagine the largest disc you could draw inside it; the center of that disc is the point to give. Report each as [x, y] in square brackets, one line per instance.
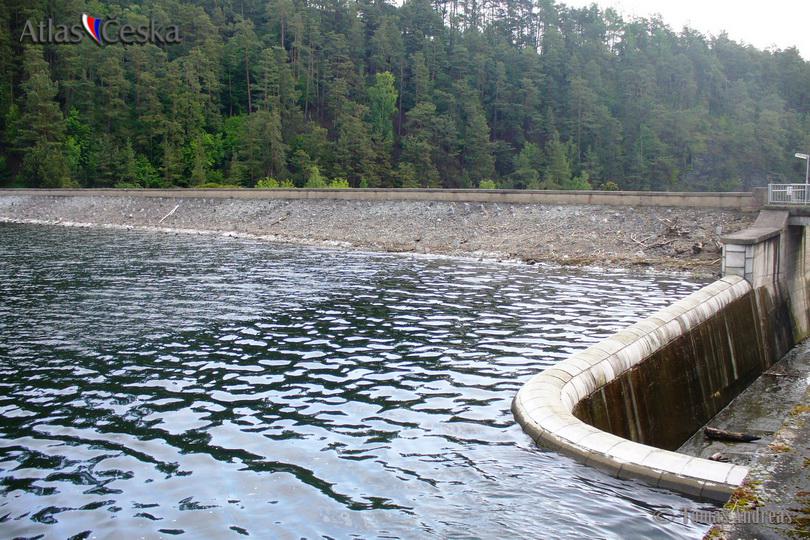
[769, 223]
[745, 201]
[751, 236]
[544, 405]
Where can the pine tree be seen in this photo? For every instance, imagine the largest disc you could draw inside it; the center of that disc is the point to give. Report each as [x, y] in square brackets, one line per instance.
[263, 152]
[527, 167]
[477, 159]
[41, 126]
[7, 69]
[558, 170]
[353, 149]
[382, 98]
[419, 148]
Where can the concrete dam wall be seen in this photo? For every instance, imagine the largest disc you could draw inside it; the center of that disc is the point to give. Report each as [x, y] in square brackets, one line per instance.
[625, 403]
[622, 403]
[679, 387]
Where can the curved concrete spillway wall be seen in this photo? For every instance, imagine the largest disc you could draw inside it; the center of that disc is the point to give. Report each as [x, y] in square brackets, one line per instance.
[656, 382]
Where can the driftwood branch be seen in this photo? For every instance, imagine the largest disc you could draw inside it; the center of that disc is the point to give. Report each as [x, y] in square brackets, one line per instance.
[664, 243]
[723, 435]
[279, 220]
[170, 213]
[643, 241]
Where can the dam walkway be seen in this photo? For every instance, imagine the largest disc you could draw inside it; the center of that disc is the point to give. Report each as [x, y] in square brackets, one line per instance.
[774, 500]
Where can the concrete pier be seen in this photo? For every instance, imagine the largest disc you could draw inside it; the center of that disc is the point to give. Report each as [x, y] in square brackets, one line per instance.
[772, 256]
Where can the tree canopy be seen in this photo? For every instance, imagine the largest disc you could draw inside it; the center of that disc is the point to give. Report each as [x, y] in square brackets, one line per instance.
[429, 93]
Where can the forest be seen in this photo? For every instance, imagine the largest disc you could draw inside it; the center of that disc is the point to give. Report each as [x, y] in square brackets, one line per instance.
[523, 94]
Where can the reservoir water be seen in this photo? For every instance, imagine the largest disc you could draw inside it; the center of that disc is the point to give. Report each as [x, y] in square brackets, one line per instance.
[156, 384]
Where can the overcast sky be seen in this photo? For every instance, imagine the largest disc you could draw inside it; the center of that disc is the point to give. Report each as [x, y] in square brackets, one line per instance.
[779, 23]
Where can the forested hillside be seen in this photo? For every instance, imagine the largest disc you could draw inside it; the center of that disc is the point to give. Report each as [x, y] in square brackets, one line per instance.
[449, 93]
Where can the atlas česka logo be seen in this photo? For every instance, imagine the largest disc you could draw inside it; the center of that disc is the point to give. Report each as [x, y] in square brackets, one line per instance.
[101, 32]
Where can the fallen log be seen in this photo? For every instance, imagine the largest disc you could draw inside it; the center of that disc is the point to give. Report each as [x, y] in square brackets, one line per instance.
[723, 435]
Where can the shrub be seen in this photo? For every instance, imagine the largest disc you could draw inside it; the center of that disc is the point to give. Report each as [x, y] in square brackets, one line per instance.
[339, 183]
[267, 183]
[128, 185]
[487, 184]
[579, 182]
[216, 185]
[315, 179]
[215, 177]
[145, 173]
[610, 185]
[272, 183]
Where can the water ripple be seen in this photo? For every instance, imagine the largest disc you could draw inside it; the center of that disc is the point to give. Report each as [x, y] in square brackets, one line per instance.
[217, 387]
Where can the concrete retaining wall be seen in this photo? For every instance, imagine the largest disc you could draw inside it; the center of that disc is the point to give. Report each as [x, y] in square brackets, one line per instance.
[772, 256]
[656, 382]
[681, 386]
[736, 200]
[796, 268]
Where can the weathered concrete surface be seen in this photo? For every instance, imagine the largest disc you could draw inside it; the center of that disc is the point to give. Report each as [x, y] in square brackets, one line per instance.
[777, 489]
[769, 223]
[662, 379]
[772, 255]
[680, 385]
[679, 238]
[795, 275]
[651, 383]
[759, 410]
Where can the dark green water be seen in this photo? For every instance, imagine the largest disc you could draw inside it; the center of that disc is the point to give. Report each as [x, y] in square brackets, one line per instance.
[154, 384]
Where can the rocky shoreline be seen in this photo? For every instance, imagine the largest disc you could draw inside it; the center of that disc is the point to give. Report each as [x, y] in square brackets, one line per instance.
[679, 239]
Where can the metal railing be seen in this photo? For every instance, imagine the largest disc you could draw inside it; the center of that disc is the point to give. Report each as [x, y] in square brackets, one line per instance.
[788, 194]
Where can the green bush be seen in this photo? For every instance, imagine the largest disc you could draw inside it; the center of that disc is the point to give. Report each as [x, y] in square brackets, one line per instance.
[272, 183]
[145, 173]
[579, 183]
[339, 183]
[610, 185]
[215, 177]
[267, 183]
[216, 185]
[315, 179]
[128, 185]
[487, 184]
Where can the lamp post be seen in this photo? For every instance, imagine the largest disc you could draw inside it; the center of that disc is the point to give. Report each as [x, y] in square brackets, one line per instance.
[806, 158]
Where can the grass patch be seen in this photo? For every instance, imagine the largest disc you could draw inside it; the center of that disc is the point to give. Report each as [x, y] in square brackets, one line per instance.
[745, 497]
[780, 447]
[799, 409]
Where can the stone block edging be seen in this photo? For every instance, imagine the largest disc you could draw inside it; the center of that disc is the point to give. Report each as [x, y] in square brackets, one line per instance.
[544, 405]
